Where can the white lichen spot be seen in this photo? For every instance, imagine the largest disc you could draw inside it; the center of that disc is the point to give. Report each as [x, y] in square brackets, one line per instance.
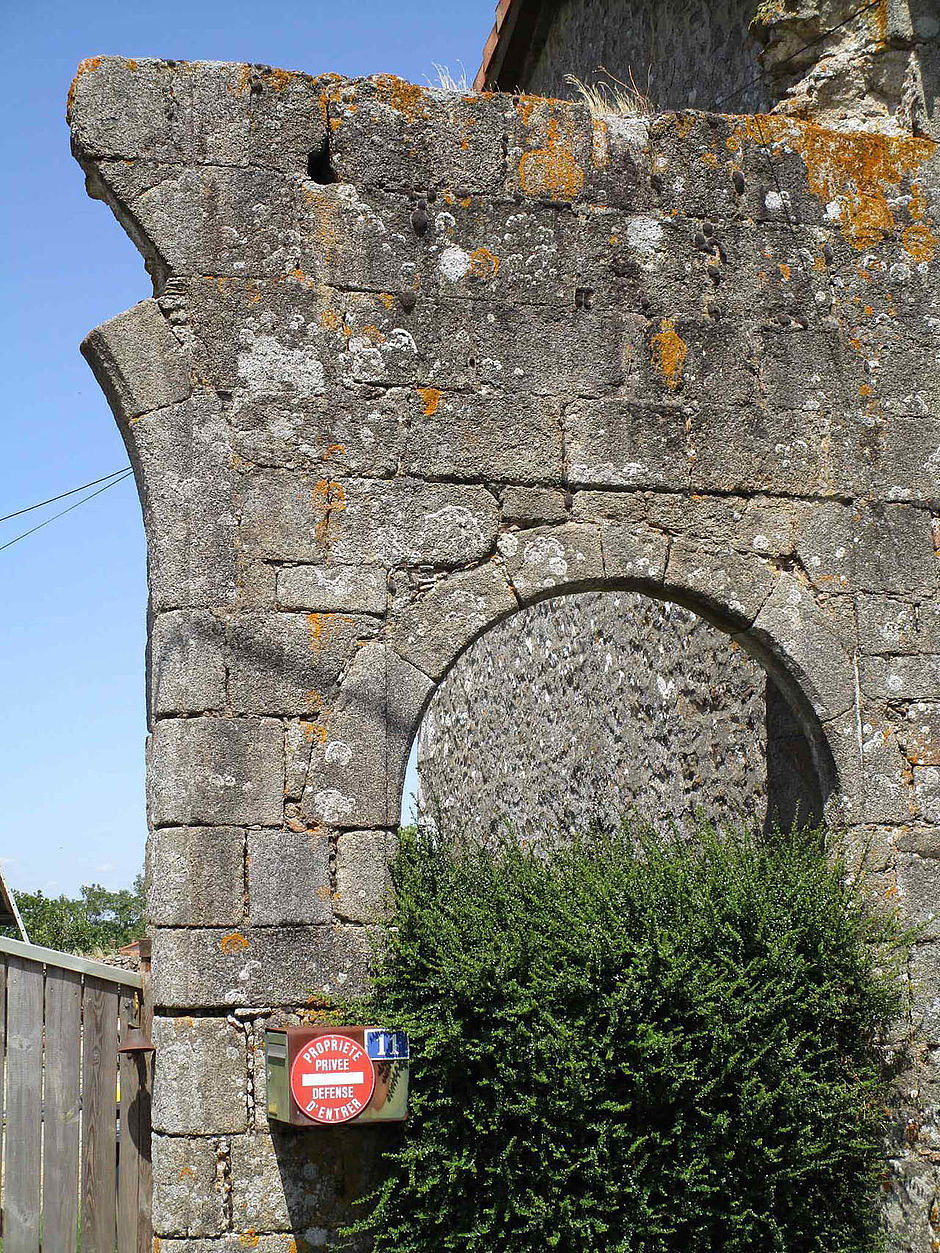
[332, 806]
[337, 753]
[454, 264]
[269, 368]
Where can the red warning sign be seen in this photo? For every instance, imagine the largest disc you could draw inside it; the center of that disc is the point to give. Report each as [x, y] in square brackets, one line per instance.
[332, 1079]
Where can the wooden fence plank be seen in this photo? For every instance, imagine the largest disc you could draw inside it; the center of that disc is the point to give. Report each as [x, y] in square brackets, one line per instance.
[99, 1116]
[129, 1141]
[61, 1106]
[24, 1094]
[3, 1054]
[144, 1187]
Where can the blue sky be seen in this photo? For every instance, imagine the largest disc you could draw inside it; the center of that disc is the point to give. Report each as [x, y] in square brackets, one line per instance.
[73, 598]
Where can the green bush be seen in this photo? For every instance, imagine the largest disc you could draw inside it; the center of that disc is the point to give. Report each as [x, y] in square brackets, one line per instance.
[636, 1045]
[98, 920]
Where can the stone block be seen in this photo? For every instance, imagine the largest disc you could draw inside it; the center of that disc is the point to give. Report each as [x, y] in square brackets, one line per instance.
[333, 589]
[357, 763]
[795, 635]
[725, 583]
[295, 1182]
[925, 991]
[493, 438]
[288, 663]
[529, 506]
[363, 877]
[400, 523]
[869, 547]
[200, 1077]
[901, 678]
[251, 231]
[187, 478]
[298, 737]
[918, 893]
[617, 443]
[430, 630]
[187, 663]
[217, 771]
[196, 877]
[633, 552]
[258, 966]
[237, 1242]
[123, 108]
[760, 450]
[891, 625]
[288, 878]
[566, 558]
[139, 363]
[187, 1192]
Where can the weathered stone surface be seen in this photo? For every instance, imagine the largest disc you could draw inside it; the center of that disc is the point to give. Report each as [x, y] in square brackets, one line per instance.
[333, 589]
[187, 667]
[400, 523]
[217, 770]
[234, 1242]
[564, 557]
[692, 354]
[283, 965]
[621, 444]
[288, 663]
[138, 361]
[200, 1077]
[357, 761]
[363, 881]
[712, 580]
[188, 1197]
[196, 877]
[529, 506]
[303, 896]
[431, 629]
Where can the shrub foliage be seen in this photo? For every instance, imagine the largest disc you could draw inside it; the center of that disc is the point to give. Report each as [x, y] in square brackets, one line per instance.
[636, 1045]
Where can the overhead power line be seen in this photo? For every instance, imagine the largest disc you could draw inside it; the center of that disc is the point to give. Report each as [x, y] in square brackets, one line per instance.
[799, 52]
[62, 512]
[62, 495]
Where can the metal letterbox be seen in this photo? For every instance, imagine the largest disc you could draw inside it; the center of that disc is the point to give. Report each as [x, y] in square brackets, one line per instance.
[328, 1076]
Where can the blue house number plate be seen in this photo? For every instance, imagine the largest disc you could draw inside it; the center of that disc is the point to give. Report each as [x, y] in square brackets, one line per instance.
[384, 1046]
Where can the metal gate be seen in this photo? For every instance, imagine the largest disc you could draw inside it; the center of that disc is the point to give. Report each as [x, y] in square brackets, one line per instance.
[74, 1113]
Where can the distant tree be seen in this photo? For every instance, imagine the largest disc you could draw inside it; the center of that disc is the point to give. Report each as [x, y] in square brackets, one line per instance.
[95, 920]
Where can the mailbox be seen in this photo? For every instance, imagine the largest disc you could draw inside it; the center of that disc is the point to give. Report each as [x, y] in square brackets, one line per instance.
[327, 1076]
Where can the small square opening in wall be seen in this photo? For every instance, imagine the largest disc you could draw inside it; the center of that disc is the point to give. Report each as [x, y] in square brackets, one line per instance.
[319, 166]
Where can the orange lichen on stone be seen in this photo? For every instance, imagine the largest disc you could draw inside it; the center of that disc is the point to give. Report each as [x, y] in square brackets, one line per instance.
[233, 943]
[334, 450]
[186, 1172]
[88, 66]
[387, 299]
[600, 143]
[314, 732]
[551, 171]
[785, 272]
[918, 240]
[710, 159]
[865, 389]
[877, 20]
[483, 264]
[373, 333]
[249, 1240]
[669, 353]
[405, 98]
[329, 319]
[855, 173]
[329, 498]
[431, 396]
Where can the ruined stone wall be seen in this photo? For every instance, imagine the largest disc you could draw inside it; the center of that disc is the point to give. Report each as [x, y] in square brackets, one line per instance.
[591, 707]
[416, 360]
[850, 70]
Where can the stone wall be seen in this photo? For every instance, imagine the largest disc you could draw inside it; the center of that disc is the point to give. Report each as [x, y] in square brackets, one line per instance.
[874, 70]
[415, 360]
[588, 708]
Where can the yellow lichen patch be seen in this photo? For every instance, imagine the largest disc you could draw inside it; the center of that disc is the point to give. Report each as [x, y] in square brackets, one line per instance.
[669, 353]
[88, 66]
[314, 732]
[684, 124]
[857, 174]
[387, 299]
[551, 171]
[372, 333]
[710, 159]
[329, 498]
[865, 389]
[919, 242]
[320, 629]
[249, 1240]
[130, 63]
[877, 20]
[234, 942]
[334, 450]
[431, 397]
[483, 264]
[329, 319]
[819, 263]
[465, 202]
[405, 98]
[785, 272]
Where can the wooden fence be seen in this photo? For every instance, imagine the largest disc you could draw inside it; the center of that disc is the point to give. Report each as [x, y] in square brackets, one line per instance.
[75, 1146]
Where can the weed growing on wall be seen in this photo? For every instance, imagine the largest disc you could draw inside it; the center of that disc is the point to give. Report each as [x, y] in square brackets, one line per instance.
[636, 1045]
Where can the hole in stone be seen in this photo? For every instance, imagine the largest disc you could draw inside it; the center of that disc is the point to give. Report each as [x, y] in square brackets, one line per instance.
[319, 166]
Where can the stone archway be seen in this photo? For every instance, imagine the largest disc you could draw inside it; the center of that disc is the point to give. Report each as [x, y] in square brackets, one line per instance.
[415, 359]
